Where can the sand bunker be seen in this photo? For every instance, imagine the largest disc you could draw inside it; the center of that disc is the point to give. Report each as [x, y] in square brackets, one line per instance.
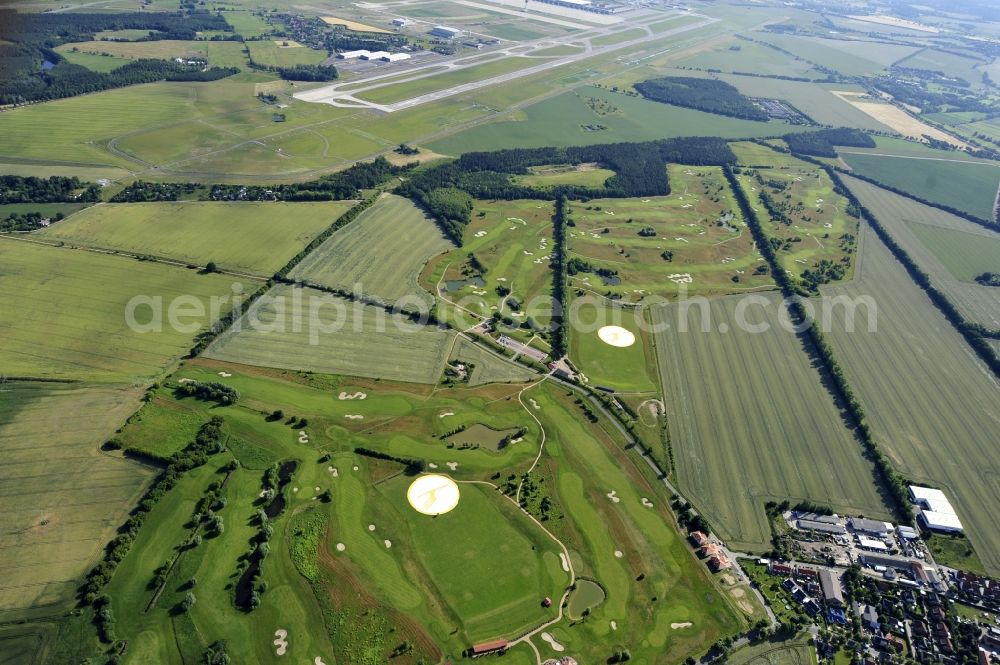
[388, 544]
[225, 375]
[614, 625]
[318, 661]
[351, 416]
[452, 465]
[646, 502]
[341, 547]
[280, 642]
[303, 437]
[371, 527]
[564, 561]
[534, 404]
[616, 336]
[346, 396]
[683, 624]
[446, 414]
[552, 642]
[433, 494]
[619, 554]
[613, 495]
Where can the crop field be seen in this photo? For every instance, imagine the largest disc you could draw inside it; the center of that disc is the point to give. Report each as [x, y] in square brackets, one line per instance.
[511, 241]
[816, 227]
[693, 241]
[970, 187]
[331, 335]
[792, 652]
[949, 248]
[949, 64]
[72, 323]
[774, 434]
[380, 254]
[64, 498]
[571, 119]
[924, 393]
[630, 369]
[269, 54]
[253, 237]
[247, 24]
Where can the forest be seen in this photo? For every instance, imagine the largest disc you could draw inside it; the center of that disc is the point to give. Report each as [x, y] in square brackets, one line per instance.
[708, 95]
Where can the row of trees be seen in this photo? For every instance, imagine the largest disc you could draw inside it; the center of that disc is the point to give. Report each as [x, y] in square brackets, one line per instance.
[141, 191]
[710, 95]
[19, 222]
[57, 189]
[894, 482]
[560, 335]
[207, 442]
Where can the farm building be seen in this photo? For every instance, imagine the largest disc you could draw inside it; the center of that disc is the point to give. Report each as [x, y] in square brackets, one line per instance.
[353, 55]
[396, 57]
[833, 594]
[376, 55]
[871, 527]
[936, 512]
[486, 648]
[820, 527]
[446, 32]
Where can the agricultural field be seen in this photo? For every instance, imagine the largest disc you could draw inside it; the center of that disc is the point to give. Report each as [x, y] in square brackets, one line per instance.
[805, 220]
[511, 242]
[72, 324]
[949, 64]
[774, 434]
[273, 54]
[258, 238]
[64, 497]
[970, 187]
[924, 393]
[328, 334]
[693, 242]
[380, 254]
[849, 57]
[950, 249]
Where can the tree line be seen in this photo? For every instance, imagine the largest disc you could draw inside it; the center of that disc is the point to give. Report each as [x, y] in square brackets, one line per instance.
[559, 341]
[821, 143]
[702, 94]
[891, 479]
[57, 189]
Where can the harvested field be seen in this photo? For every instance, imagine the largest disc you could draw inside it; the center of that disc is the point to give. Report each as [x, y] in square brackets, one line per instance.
[344, 338]
[774, 434]
[381, 253]
[931, 403]
[352, 25]
[896, 118]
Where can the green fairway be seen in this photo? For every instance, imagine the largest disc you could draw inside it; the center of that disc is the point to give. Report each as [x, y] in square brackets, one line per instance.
[335, 336]
[691, 242]
[72, 323]
[380, 254]
[64, 498]
[254, 237]
[922, 389]
[969, 187]
[774, 433]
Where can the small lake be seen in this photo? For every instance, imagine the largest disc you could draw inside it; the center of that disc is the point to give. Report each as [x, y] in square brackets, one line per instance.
[453, 285]
[587, 595]
[487, 437]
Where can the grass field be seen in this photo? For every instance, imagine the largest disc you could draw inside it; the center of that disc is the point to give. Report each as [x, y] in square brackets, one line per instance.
[253, 237]
[792, 652]
[949, 64]
[218, 54]
[924, 392]
[380, 254]
[817, 227]
[630, 369]
[487, 368]
[64, 497]
[700, 244]
[269, 54]
[851, 58]
[334, 336]
[563, 119]
[948, 248]
[588, 175]
[773, 434]
[746, 56]
[400, 91]
[94, 61]
[970, 187]
[67, 313]
[247, 24]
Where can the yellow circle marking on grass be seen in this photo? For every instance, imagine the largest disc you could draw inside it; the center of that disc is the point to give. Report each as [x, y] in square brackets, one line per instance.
[433, 494]
[616, 336]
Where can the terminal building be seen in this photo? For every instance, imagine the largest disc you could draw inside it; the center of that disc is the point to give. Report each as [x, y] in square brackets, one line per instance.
[582, 5]
[354, 55]
[935, 511]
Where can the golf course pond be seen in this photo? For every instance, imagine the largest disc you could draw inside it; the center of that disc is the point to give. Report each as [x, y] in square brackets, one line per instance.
[587, 595]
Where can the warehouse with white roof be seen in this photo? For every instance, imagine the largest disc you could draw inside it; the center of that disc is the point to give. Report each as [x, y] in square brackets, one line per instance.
[935, 511]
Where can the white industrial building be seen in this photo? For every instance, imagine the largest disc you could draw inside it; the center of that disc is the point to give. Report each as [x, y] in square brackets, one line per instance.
[935, 510]
[354, 55]
[446, 32]
[376, 55]
[872, 545]
[396, 57]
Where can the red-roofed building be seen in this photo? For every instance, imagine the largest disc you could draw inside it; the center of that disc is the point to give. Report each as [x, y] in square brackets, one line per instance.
[488, 648]
[709, 551]
[698, 538]
[717, 563]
